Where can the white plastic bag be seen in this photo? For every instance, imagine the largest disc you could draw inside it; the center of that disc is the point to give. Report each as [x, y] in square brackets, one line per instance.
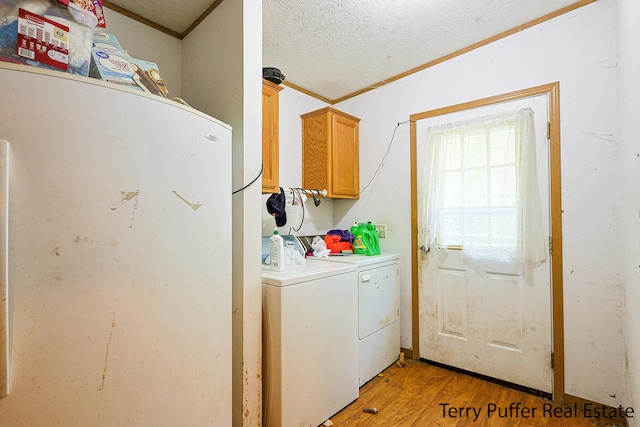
[292, 256]
[320, 247]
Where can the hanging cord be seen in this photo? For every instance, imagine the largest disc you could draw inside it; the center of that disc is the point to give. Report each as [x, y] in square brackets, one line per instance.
[381, 164]
[249, 184]
[384, 158]
[315, 195]
[296, 191]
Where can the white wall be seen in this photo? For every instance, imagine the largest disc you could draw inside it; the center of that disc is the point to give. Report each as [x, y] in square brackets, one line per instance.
[578, 50]
[629, 129]
[221, 75]
[135, 37]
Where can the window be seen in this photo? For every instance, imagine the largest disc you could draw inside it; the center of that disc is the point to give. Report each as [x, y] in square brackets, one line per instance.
[481, 188]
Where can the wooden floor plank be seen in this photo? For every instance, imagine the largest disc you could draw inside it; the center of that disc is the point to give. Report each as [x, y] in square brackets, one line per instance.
[421, 395]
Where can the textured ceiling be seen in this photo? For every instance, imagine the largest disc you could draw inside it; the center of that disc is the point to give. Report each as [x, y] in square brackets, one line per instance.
[334, 48]
[176, 16]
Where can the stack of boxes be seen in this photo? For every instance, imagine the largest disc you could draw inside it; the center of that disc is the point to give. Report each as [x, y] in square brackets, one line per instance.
[53, 34]
[60, 35]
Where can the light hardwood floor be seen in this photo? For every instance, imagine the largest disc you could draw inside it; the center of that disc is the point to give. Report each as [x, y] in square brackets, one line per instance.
[420, 394]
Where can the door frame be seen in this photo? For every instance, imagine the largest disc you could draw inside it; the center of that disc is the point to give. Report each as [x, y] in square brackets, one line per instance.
[552, 90]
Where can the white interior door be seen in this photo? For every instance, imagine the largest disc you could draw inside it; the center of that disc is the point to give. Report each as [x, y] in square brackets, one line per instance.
[495, 323]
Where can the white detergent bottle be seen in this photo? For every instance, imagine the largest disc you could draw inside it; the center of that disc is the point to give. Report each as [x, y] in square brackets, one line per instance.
[276, 252]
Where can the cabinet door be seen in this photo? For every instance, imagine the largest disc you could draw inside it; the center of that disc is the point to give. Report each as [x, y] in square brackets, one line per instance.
[345, 172]
[270, 130]
[316, 130]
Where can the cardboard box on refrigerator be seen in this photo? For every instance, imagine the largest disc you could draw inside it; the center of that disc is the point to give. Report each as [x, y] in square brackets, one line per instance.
[147, 76]
[108, 43]
[111, 62]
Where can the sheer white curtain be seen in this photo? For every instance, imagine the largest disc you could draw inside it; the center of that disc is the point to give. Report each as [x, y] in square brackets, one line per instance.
[480, 191]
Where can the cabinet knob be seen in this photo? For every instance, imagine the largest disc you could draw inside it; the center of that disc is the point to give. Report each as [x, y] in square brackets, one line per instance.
[210, 137]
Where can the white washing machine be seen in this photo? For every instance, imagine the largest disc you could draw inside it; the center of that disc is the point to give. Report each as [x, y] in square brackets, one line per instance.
[310, 342]
[378, 284]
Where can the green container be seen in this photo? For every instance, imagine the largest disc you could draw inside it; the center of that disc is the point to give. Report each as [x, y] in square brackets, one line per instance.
[365, 240]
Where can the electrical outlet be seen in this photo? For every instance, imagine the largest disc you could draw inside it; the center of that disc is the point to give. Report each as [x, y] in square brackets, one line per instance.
[381, 229]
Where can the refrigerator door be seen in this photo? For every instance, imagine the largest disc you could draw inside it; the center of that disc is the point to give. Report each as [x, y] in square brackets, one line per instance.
[119, 260]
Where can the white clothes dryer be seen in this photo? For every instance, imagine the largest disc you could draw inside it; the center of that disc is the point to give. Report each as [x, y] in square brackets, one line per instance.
[378, 284]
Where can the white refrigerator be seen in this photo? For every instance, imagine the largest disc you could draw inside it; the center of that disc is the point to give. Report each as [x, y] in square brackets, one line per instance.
[115, 251]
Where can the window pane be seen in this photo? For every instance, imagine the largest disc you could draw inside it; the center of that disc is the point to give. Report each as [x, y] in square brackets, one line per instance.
[476, 227]
[477, 188]
[452, 227]
[502, 145]
[478, 185]
[453, 152]
[503, 228]
[503, 186]
[476, 148]
[452, 189]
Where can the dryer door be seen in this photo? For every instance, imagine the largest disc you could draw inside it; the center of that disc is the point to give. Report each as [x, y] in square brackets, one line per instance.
[378, 301]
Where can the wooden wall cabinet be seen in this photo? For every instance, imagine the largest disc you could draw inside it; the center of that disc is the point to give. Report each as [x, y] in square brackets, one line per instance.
[270, 131]
[330, 153]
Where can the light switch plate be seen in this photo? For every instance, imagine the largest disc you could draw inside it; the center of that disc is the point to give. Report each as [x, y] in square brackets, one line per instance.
[381, 229]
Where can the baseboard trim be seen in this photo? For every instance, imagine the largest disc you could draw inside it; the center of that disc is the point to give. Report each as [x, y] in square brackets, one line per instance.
[408, 353]
[584, 405]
